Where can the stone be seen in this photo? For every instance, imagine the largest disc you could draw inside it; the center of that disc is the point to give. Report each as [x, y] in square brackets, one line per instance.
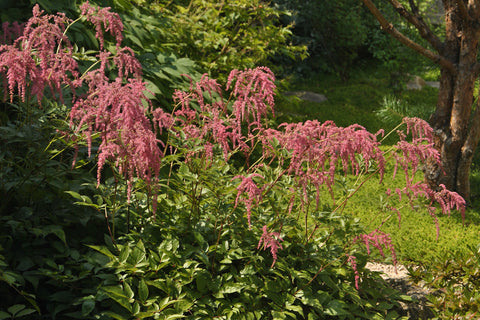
[307, 96]
[433, 84]
[416, 83]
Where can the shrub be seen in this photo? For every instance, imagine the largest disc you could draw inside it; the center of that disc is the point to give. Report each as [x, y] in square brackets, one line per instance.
[222, 35]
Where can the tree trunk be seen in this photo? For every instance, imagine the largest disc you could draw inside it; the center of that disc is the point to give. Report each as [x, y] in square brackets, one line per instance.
[455, 137]
[456, 121]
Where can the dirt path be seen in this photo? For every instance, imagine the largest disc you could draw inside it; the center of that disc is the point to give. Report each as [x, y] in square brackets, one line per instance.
[400, 280]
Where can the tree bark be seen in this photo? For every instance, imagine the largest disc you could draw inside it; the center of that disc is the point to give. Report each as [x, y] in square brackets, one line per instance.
[456, 120]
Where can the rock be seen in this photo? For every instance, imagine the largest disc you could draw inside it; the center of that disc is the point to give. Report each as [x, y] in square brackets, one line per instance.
[416, 83]
[433, 84]
[307, 96]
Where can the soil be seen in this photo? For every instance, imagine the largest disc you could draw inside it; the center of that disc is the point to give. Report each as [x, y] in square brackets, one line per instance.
[399, 279]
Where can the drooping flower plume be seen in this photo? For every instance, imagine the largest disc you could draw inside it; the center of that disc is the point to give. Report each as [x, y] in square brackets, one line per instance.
[380, 241]
[116, 111]
[248, 193]
[34, 60]
[10, 32]
[103, 19]
[315, 150]
[254, 92]
[270, 240]
[352, 260]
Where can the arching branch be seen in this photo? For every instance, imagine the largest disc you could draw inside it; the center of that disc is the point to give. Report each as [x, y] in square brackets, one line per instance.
[388, 27]
[417, 21]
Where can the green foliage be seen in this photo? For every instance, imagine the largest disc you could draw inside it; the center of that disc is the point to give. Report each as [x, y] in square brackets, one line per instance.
[199, 259]
[394, 110]
[221, 35]
[454, 281]
[144, 32]
[43, 262]
[333, 30]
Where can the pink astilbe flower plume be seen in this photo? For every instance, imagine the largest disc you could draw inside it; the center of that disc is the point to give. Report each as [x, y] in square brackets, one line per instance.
[316, 149]
[270, 240]
[115, 110]
[11, 31]
[251, 190]
[126, 63]
[449, 200]
[103, 19]
[203, 118]
[380, 241]
[410, 156]
[254, 91]
[34, 60]
[352, 260]
[419, 128]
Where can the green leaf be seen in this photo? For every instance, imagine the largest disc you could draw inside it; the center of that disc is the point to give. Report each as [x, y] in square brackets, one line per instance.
[142, 290]
[16, 308]
[128, 290]
[138, 254]
[81, 198]
[88, 306]
[56, 230]
[278, 315]
[202, 281]
[295, 308]
[117, 294]
[5, 315]
[103, 250]
[232, 287]
[336, 308]
[9, 277]
[124, 253]
[24, 312]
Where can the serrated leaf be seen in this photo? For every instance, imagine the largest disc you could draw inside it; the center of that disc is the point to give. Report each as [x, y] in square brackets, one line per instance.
[336, 308]
[117, 294]
[128, 290]
[124, 253]
[103, 250]
[88, 306]
[16, 308]
[142, 290]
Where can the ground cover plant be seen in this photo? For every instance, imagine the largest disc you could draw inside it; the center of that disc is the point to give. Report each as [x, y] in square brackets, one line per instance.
[209, 210]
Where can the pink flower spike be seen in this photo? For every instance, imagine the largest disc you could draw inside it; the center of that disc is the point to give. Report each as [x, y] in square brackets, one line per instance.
[420, 129]
[254, 91]
[352, 260]
[254, 194]
[449, 200]
[103, 16]
[270, 240]
[379, 240]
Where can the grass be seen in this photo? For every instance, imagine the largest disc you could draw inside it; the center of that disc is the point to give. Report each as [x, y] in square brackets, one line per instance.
[357, 101]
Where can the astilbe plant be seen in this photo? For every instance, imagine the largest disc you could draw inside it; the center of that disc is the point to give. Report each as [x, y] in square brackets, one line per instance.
[43, 57]
[310, 154]
[209, 120]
